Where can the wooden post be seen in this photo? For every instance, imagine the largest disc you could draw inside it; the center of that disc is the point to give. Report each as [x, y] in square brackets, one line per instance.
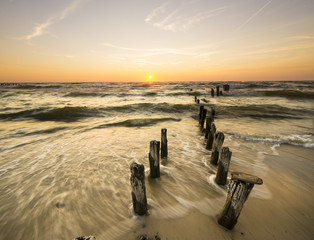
[164, 141]
[217, 88]
[240, 187]
[211, 136]
[85, 238]
[154, 159]
[200, 114]
[220, 92]
[203, 118]
[223, 166]
[213, 92]
[217, 144]
[213, 112]
[209, 121]
[198, 101]
[138, 188]
[195, 98]
[226, 87]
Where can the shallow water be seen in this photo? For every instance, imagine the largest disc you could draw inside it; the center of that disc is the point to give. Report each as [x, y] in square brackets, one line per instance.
[66, 149]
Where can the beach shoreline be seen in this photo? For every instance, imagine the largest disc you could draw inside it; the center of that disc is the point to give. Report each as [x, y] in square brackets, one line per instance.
[287, 215]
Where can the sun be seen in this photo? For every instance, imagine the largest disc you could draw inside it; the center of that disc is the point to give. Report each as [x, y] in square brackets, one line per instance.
[150, 79]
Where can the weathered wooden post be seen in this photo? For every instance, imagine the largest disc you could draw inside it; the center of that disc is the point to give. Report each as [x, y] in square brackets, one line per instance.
[240, 187]
[164, 141]
[220, 92]
[213, 112]
[226, 87]
[198, 101]
[217, 89]
[138, 188]
[154, 159]
[200, 114]
[85, 238]
[223, 166]
[211, 136]
[217, 144]
[195, 98]
[209, 121]
[213, 92]
[203, 118]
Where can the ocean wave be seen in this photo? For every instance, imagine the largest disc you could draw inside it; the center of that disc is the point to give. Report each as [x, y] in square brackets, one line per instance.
[85, 94]
[70, 114]
[65, 114]
[152, 108]
[142, 122]
[34, 86]
[290, 94]
[304, 140]
[262, 111]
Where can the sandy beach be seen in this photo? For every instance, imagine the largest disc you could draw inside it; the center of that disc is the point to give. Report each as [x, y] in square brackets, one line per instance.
[66, 151]
[287, 215]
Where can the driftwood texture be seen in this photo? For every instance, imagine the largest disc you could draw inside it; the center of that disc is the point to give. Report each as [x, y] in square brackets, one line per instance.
[138, 188]
[217, 145]
[223, 166]
[154, 159]
[164, 143]
[240, 187]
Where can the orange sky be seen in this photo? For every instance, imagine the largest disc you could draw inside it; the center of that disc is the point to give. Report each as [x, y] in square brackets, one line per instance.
[198, 40]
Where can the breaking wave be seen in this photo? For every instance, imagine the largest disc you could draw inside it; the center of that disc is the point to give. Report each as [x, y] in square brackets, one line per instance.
[70, 114]
[304, 140]
[290, 94]
[65, 114]
[263, 111]
[142, 122]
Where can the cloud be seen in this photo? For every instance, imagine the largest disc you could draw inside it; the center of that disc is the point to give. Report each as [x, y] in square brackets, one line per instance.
[159, 10]
[180, 18]
[41, 28]
[160, 56]
[253, 15]
[302, 37]
[147, 51]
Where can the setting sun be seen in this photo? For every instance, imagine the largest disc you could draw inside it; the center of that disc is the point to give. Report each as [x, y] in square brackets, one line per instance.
[150, 78]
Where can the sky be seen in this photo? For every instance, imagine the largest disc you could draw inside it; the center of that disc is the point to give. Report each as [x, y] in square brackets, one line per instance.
[173, 40]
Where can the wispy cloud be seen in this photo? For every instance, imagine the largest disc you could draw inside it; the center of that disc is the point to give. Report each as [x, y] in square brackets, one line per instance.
[159, 10]
[284, 48]
[302, 37]
[253, 15]
[148, 51]
[159, 56]
[41, 28]
[179, 18]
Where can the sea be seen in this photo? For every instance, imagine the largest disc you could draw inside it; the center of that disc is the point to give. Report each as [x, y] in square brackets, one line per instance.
[66, 150]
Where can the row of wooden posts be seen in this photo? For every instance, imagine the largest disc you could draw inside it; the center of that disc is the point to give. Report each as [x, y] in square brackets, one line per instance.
[225, 87]
[138, 173]
[240, 184]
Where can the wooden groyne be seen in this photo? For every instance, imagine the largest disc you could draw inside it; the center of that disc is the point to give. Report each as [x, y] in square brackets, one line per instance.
[240, 184]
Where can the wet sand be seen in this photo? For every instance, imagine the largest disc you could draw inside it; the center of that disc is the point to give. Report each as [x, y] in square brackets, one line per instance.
[288, 214]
